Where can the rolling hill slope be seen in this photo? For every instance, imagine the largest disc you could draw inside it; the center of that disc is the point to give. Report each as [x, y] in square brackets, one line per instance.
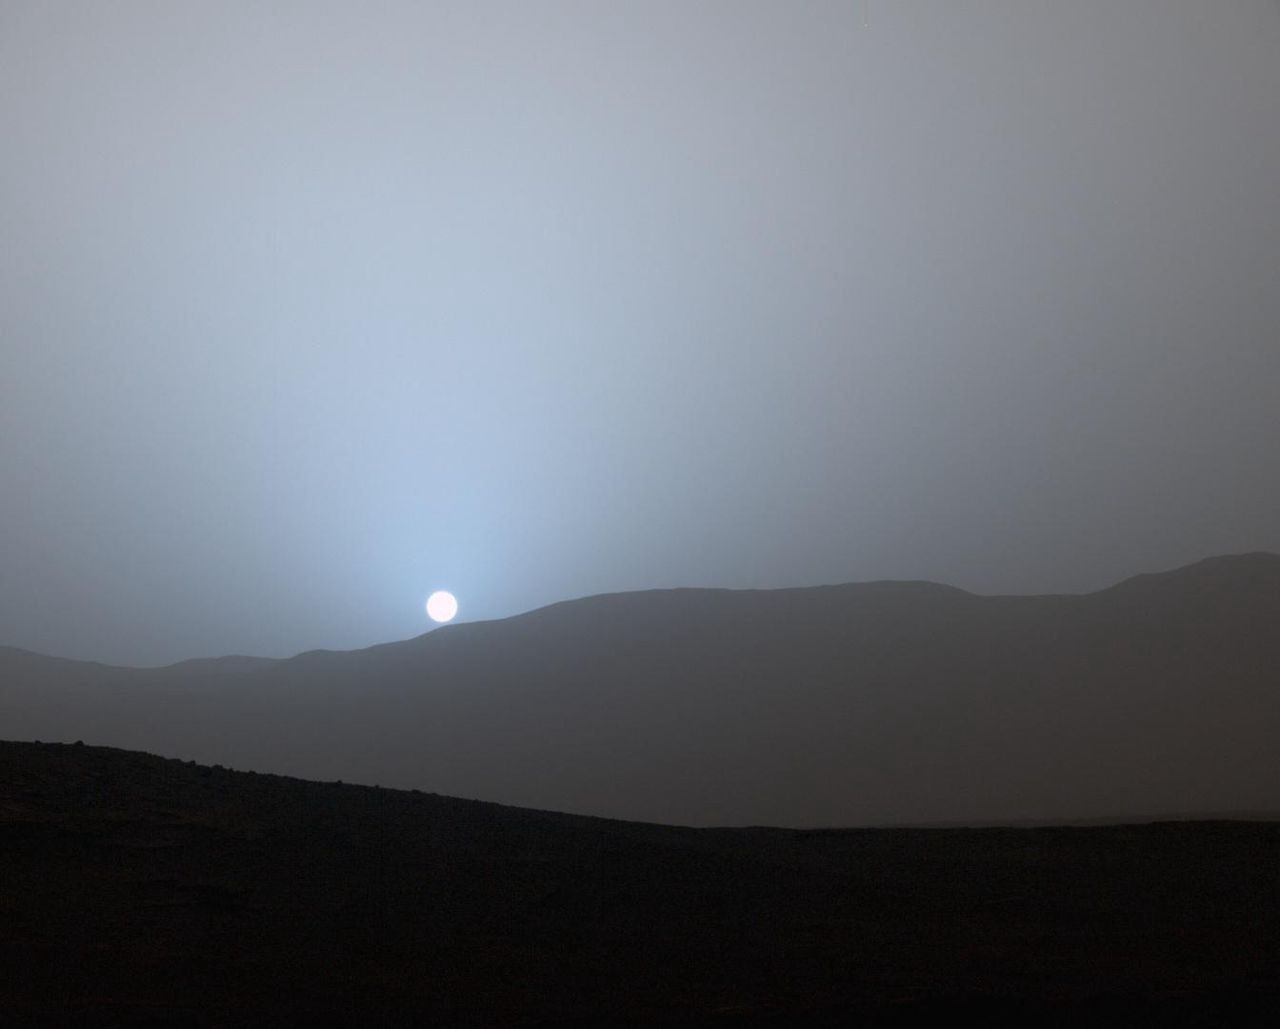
[144, 891]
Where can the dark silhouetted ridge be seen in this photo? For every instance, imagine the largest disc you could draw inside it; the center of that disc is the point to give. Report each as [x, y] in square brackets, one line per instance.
[138, 890]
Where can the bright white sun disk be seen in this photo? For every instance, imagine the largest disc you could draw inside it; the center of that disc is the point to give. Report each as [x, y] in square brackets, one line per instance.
[441, 606]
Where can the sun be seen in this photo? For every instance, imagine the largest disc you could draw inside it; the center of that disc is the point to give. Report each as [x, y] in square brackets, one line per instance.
[441, 606]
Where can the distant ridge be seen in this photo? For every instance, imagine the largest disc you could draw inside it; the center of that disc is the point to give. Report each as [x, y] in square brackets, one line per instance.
[1229, 569]
[860, 704]
[231, 663]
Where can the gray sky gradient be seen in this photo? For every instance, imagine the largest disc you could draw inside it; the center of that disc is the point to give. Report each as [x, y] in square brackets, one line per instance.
[307, 309]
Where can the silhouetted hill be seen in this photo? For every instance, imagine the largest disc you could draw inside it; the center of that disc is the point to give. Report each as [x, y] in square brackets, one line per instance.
[873, 703]
[143, 891]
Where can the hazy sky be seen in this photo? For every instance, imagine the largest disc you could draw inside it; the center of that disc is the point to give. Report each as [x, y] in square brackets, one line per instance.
[307, 309]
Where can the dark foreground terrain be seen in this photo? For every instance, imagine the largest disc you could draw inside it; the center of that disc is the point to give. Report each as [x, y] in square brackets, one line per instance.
[138, 890]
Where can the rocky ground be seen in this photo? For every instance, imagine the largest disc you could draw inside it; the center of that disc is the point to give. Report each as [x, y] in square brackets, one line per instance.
[136, 890]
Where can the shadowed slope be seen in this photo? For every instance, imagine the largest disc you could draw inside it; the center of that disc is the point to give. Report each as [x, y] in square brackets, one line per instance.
[143, 890]
[870, 703]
